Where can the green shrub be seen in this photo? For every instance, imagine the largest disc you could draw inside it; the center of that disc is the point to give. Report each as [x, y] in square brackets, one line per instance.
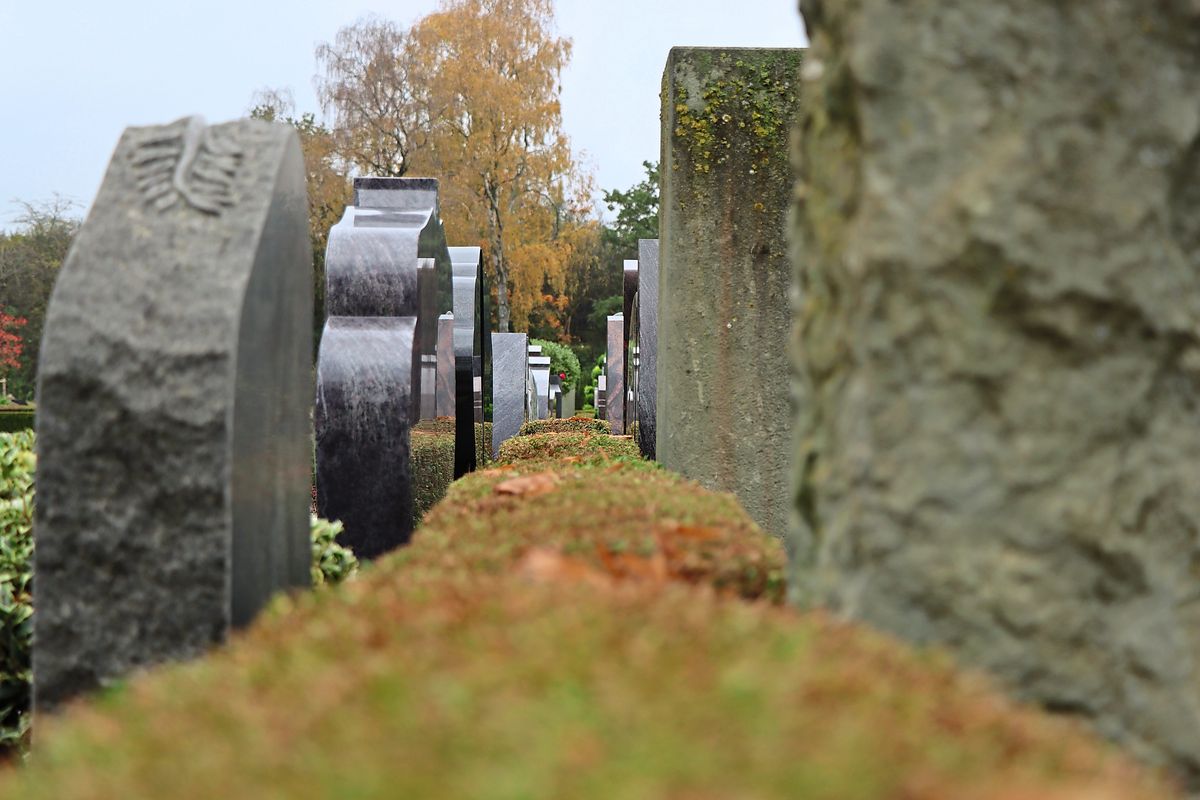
[331, 563]
[17, 463]
[16, 419]
[571, 425]
[432, 456]
[563, 361]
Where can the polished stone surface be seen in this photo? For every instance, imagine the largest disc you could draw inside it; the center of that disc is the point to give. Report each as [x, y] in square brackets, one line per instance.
[364, 414]
[173, 400]
[427, 336]
[647, 343]
[510, 370]
[445, 366]
[540, 367]
[615, 371]
[601, 406]
[472, 341]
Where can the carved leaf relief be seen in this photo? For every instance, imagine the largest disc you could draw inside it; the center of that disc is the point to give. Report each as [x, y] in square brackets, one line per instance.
[188, 162]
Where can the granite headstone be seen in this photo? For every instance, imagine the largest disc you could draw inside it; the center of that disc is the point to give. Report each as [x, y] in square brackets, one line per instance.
[647, 345]
[173, 397]
[510, 371]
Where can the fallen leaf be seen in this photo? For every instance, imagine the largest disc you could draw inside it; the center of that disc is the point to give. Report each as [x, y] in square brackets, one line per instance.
[698, 533]
[528, 485]
[543, 565]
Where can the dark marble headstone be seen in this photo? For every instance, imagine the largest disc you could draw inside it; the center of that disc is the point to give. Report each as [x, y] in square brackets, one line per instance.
[615, 371]
[601, 407]
[647, 344]
[373, 337]
[364, 413]
[510, 371]
[630, 287]
[173, 397]
[427, 335]
[471, 340]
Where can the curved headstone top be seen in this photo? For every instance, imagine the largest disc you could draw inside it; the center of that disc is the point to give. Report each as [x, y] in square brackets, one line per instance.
[173, 400]
[371, 263]
[466, 263]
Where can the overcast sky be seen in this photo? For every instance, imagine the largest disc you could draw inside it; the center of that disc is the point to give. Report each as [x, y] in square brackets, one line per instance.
[75, 73]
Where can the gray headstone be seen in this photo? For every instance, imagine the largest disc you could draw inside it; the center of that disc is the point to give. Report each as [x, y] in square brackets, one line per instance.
[173, 398]
[614, 390]
[724, 279]
[510, 370]
[647, 344]
[427, 334]
[540, 367]
[998, 347]
[601, 407]
[445, 366]
[569, 404]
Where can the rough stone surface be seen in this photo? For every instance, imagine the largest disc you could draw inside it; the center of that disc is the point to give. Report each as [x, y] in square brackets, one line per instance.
[615, 370]
[510, 370]
[998, 348]
[723, 315]
[364, 413]
[647, 344]
[173, 394]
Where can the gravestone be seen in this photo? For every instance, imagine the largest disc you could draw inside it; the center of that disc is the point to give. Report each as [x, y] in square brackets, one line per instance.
[373, 338]
[427, 334]
[614, 390]
[601, 400]
[510, 373]
[471, 344]
[569, 404]
[539, 365]
[998, 346]
[445, 366]
[724, 275]
[173, 397]
[556, 397]
[647, 344]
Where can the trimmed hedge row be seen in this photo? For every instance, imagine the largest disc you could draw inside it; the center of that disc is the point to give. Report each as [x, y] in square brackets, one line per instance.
[507, 654]
[432, 455]
[18, 419]
[553, 446]
[570, 425]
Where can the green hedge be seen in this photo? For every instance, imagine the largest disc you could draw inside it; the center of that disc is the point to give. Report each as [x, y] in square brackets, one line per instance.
[505, 654]
[432, 454]
[550, 446]
[16, 419]
[574, 424]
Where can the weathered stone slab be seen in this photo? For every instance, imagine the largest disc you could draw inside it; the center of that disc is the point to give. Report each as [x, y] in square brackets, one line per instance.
[615, 370]
[445, 366]
[364, 413]
[723, 316]
[173, 397]
[540, 367]
[998, 341]
[647, 344]
[510, 372]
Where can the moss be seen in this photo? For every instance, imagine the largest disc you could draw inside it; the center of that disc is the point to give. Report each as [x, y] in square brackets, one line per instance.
[405, 684]
[736, 108]
[625, 517]
[571, 424]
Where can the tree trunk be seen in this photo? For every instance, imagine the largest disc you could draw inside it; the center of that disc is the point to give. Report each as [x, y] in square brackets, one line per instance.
[498, 260]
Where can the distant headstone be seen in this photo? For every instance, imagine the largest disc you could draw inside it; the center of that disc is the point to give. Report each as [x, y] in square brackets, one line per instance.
[472, 343]
[540, 367]
[647, 345]
[725, 277]
[998, 347]
[173, 398]
[601, 405]
[614, 392]
[370, 362]
[427, 334]
[510, 370]
[444, 383]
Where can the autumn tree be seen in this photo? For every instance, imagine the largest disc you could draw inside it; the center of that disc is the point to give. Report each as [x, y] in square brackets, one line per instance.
[469, 95]
[30, 258]
[329, 188]
[11, 344]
